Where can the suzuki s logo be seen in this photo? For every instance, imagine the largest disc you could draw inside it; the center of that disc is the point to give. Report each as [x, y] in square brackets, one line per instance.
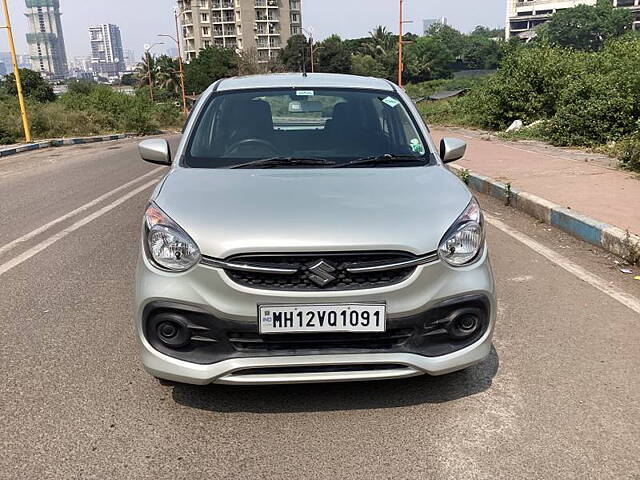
[321, 272]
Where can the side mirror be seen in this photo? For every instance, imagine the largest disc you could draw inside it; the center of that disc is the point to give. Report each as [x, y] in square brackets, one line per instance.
[452, 149]
[155, 150]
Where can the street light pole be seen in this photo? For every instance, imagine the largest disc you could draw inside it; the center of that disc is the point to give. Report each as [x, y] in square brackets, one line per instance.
[16, 73]
[147, 49]
[184, 95]
[180, 63]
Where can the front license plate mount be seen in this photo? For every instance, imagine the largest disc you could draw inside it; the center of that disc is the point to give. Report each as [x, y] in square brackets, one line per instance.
[322, 318]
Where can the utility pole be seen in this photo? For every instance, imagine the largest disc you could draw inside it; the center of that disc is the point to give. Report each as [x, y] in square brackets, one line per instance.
[150, 60]
[16, 73]
[184, 95]
[185, 111]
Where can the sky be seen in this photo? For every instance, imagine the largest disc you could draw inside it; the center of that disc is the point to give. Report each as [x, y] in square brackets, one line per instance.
[140, 21]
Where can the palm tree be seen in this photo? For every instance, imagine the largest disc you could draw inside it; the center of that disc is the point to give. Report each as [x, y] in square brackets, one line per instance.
[167, 74]
[381, 42]
[146, 72]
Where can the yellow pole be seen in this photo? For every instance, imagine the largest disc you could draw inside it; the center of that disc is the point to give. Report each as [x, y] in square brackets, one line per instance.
[16, 72]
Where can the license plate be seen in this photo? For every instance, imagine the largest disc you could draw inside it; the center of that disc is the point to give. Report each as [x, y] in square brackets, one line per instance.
[322, 318]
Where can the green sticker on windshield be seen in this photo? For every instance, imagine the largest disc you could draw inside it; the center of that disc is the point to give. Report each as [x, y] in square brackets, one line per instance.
[305, 93]
[392, 102]
[416, 146]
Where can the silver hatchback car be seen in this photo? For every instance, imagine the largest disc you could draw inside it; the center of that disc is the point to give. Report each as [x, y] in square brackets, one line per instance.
[308, 231]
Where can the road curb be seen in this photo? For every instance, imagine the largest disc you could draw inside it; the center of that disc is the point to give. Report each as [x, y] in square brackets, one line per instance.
[59, 142]
[609, 237]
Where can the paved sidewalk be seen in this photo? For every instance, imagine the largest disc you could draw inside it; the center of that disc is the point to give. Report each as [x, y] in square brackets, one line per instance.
[579, 181]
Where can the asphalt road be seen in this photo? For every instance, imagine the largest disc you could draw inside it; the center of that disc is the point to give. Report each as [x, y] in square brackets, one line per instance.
[558, 398]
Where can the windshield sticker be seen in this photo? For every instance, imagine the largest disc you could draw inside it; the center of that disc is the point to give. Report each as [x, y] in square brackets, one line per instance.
[304, 93]
[416, 146]
[392, 102]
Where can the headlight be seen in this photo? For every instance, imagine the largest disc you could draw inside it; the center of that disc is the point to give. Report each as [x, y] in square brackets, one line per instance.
[166, 244]
[464, 240]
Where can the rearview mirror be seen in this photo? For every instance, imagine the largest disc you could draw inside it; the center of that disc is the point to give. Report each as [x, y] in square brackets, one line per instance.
[306, 106]
[155, 150]
[452, 149]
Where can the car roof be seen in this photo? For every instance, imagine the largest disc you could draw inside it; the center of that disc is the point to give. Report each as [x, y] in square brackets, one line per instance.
[298, 80]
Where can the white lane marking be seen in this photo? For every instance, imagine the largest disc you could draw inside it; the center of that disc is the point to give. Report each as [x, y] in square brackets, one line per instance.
[11, 245]
[5, 267]
[594, 280]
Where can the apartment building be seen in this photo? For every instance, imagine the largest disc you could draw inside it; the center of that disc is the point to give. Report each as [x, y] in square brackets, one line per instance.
[264, 25]
[107, 54]
[523, 16]
[45, 39]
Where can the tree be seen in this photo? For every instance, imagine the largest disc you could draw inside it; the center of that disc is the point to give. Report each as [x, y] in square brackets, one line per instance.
[168, 74]
[452, 39]
[33, 86]
[367, 66]
[586, 27]
[147, 70]
[481, 52]
[428, 58]
[250, 64]
[81, 87]
[211, 64]
[358, 45]
[382, 42]
[291, 55]
[333, 56]
[482, 31]
[128, 79]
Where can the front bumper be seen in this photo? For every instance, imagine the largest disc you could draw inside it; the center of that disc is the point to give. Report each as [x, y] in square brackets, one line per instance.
[209, 290]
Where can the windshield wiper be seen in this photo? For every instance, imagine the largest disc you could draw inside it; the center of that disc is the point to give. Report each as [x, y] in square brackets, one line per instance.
[274, 162]
[381, 159]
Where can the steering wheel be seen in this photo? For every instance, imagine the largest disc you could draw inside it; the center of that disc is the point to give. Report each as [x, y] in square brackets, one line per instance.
[256, 141]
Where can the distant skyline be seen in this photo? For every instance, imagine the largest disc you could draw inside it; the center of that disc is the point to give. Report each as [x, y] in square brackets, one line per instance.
[141, 20]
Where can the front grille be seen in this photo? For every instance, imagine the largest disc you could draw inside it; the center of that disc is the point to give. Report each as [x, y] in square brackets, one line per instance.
[303, 279]
[301, 342]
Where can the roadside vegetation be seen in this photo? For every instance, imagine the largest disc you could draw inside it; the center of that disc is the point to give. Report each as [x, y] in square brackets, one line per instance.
[571, 86]
[87, 109]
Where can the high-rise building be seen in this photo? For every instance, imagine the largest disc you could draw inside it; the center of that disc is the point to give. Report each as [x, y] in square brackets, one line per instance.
[107, 54]
[263, 25]
[45, 39]
[80, 64]
[523, 16]
[430, 22]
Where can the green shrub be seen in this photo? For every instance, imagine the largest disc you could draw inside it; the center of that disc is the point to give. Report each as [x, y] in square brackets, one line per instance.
[582, 98]
[53, 120]
[628, 151]
[526, 87]
[88, 109]
[6, 137]
[603, 103]
[116, 111]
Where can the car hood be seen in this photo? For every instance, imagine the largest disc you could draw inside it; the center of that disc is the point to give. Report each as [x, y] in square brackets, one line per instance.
[229, 211]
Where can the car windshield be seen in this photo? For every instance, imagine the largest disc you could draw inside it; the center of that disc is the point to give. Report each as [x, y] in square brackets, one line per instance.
[305, 128]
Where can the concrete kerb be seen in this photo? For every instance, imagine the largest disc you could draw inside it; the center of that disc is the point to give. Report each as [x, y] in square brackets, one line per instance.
[608, 237]
[61, 142]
